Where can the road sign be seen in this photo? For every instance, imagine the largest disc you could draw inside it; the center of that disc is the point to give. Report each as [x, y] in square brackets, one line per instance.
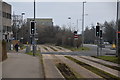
[75, 36]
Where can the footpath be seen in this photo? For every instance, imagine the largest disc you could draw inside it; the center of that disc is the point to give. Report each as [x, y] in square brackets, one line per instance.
[20, 65]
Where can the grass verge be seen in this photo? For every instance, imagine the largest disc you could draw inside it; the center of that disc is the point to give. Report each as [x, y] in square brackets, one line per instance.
[31, 53]
[113, 67]
[94, 69]
[66, 72]
[113, 59]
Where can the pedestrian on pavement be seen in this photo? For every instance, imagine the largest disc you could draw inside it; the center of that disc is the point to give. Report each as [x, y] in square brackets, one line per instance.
[16, 47]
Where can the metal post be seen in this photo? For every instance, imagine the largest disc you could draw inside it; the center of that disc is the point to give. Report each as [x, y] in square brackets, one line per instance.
[83, 25]
[69, 23]
[33, 36]
[117, 54]
[97, 45]
[100, 46]
[98, 40]
[77, 24]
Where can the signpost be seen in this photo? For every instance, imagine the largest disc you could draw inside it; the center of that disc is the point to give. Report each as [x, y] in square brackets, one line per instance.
[33, 32]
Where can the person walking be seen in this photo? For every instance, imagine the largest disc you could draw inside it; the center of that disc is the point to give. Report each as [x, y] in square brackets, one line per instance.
[16, 47]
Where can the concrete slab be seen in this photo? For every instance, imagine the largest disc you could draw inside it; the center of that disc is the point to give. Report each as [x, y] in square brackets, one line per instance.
[19, 65]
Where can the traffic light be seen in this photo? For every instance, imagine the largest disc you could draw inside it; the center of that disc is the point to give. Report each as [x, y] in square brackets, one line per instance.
[97, 30]
[32, 27]
[100, 33]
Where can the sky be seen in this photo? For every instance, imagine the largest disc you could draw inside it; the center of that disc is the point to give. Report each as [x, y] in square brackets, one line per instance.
[60, 11]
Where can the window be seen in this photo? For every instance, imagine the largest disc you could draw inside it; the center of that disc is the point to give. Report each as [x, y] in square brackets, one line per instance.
[6, 15]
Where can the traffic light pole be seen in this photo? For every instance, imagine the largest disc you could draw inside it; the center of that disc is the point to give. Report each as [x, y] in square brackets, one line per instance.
[97, 45]
[98, 38]
[33, 36]
[83, 25]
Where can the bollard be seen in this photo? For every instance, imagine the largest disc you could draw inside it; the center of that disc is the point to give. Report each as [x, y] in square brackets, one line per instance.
[28, 49]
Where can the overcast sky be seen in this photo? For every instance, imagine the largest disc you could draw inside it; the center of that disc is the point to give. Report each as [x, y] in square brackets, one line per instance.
[60, 11]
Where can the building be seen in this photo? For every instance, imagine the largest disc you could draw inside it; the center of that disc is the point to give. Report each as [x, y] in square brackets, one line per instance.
[1, 20]
[42, 21]
[5, 27]
[6, 20]
[0, 34]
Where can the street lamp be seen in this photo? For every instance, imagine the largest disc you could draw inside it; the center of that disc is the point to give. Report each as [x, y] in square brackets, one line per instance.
[22, 24]
[22, 17]
[69, 18]
[83, 25]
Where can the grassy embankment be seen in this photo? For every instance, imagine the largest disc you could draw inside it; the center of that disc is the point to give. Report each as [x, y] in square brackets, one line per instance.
[94, 69]
[66, 71]
[113, 59]
[110, 66]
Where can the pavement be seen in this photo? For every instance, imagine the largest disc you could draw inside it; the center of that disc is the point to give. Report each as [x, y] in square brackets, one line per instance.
[19, 65]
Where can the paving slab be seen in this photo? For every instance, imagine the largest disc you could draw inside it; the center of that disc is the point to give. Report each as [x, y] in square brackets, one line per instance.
[19, 65]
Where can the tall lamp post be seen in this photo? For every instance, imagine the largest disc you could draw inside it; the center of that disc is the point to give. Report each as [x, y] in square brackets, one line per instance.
[69, 18]
[83, 25]
[22, 24]
[118, 34]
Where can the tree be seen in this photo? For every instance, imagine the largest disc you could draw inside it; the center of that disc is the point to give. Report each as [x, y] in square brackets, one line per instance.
[109, 32]
[89, 35]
